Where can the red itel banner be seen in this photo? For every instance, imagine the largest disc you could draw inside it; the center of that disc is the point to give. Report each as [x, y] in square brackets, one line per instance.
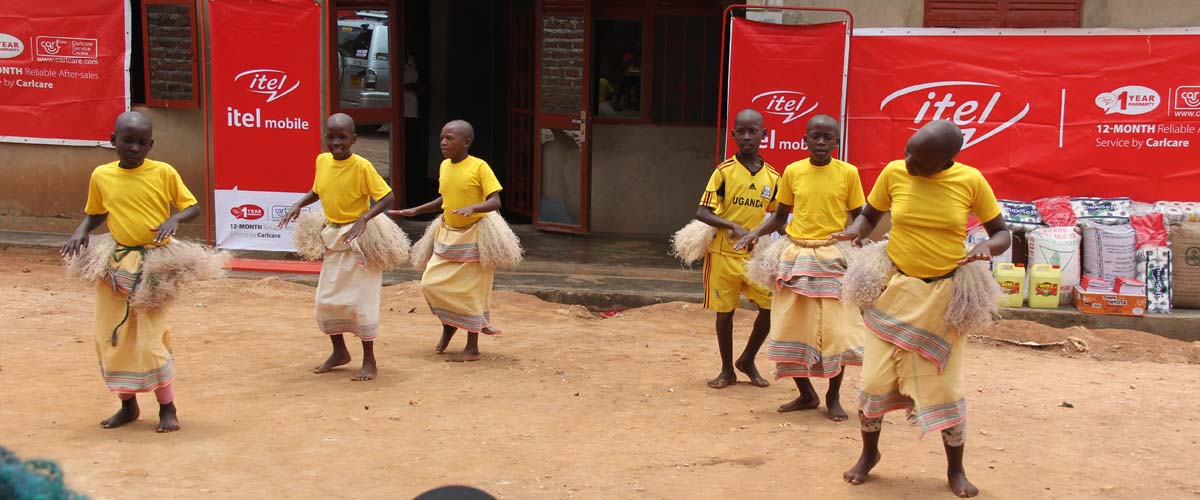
[266, 115]
[64, 70]
[1061, 114]
[789, 73]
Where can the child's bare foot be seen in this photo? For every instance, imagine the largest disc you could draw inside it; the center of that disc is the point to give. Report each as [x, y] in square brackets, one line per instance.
[836, 412]
[367, 372]
[128, 413]
[335, 360]
[725, 379]
[464, 356]
[168, 421]
[444, 342]
[752, 371]
[858, 474]
[488, 330]
[961, 486]
[802, 402]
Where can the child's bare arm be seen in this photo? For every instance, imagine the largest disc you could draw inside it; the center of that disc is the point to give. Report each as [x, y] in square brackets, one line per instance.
[168, 227]
[708, 216]
[491, 204]
[432, 206]
[308, 199]
[775, 222]
[862, 226]
[79, 240]
[360, 225]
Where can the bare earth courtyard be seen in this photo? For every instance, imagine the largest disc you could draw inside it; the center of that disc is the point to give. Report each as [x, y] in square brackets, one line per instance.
[565, 405]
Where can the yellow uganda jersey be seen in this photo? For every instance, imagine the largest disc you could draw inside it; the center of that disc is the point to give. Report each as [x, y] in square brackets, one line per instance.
[346, 187]
[820, 197]
[740, 197]
[136, 199]
[464, 184]
[929, 215]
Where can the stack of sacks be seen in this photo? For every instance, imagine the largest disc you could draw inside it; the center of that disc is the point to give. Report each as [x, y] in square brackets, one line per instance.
[1108, 251]
[1058, 246]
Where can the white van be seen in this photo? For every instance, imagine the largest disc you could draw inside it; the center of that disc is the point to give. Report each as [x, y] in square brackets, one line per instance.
[363, 72]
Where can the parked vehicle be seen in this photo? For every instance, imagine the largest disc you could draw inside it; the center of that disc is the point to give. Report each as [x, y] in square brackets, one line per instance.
[363, 71]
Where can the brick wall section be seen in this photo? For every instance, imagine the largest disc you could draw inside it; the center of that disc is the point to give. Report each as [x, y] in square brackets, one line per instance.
[169, 40]
[562, 64]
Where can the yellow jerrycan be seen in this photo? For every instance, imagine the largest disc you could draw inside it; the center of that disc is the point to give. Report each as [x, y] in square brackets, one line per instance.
[1044, 280]
[1011, 278]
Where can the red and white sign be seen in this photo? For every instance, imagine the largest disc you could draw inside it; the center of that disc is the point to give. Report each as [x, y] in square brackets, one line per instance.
[789, 73]
[266, 116]
[1044, 114]
[64, 70]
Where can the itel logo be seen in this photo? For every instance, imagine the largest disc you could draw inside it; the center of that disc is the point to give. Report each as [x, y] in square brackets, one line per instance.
[271, 82]
[247, 212]
[786, 103]
[973, 116]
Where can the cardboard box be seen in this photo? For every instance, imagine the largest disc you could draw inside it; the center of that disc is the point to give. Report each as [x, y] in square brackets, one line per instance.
[1109, 303]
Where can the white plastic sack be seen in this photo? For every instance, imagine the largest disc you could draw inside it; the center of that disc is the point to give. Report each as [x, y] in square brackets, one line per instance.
[1108, 251]
[1058, 246]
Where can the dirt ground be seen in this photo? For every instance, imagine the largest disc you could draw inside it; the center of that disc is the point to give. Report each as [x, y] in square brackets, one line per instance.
[565, 405]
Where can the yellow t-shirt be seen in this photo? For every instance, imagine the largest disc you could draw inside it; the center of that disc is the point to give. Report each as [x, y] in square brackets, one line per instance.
[463, 184]
[346, 187]
[740, 197]
[820, 197]
[929, 215]
[136, 199]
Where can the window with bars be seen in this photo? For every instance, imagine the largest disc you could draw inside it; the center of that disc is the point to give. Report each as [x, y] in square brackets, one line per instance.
[164, 64]
[1003, 13]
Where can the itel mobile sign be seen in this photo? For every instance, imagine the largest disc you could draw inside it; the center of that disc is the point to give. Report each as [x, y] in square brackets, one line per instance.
[1100, 115]
[63, 70]
[266, 116]
[814, 56]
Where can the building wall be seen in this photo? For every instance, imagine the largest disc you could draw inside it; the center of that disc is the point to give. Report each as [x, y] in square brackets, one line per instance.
[867, 13]
[1140, 13]
[647, 179]
[52, 181]
[910, 13]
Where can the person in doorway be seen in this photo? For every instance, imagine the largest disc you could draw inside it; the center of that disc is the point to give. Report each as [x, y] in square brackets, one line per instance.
[914, 359]
[134, 195]
[813, 332]
[457, 282]
[738, 196]
[348, 291]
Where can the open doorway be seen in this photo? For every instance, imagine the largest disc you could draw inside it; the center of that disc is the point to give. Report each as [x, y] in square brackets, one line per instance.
[462, 51]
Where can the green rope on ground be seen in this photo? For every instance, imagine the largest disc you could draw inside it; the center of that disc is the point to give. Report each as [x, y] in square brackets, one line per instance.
[36, 479]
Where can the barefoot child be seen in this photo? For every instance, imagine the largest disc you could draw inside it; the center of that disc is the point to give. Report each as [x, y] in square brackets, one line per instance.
[134, 195]
[458, 249]
[738, 196]
[932, 297]
[348, 290]
[813, 332]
